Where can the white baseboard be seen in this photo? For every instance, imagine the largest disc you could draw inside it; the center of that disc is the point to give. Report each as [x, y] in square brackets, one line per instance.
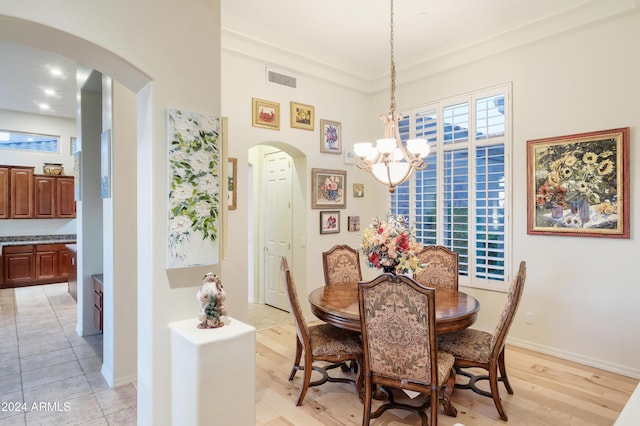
[125, 380]
[579, 358]
[114, 382]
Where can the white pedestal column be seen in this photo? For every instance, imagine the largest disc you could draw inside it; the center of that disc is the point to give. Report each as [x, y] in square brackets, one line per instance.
[212, 374]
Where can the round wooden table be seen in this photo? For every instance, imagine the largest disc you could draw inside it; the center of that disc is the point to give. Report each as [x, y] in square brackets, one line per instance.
[337, 304]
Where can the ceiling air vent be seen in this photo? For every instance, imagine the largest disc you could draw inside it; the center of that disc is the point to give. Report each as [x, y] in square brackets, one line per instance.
[282, 79]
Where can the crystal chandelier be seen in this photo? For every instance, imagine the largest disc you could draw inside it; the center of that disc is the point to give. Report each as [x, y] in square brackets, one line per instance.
[391, 162]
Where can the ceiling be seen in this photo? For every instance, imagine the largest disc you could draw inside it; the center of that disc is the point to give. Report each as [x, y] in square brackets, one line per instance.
[347, 35]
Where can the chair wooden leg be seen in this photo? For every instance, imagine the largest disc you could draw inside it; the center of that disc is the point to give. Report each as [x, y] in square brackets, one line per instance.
[308, 369]
[433, 418]
[296, 363]
[495, 392]
[368, 395]
[503, 373]
[360, 379]
[449, 409]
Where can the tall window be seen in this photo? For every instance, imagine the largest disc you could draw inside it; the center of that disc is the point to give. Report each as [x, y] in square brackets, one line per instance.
[460, 200]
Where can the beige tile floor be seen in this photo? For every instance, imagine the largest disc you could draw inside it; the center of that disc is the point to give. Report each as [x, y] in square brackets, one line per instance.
[50, 375]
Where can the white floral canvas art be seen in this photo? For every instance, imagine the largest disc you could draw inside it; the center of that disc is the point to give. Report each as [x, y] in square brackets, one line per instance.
[194, 189]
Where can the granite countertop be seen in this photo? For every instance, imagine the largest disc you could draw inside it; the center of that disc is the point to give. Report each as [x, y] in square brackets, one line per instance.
[37, 239]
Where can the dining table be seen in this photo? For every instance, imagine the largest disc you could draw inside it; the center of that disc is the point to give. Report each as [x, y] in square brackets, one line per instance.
[337, 304]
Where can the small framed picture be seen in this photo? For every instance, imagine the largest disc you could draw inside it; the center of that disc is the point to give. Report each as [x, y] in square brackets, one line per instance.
[73, 144]
[330, 222]
[353, 224]
[302, 116]
[231, 183]
[330, 137]
[328, 189]
[105, 164]
[358, 190]
[349, 157]
[265, 114]
[77, 174]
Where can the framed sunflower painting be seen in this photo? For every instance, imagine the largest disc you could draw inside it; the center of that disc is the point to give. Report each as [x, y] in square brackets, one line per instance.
[578, 185]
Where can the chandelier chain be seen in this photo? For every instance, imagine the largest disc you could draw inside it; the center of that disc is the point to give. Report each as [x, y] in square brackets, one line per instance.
[392, 107]
[391, 162]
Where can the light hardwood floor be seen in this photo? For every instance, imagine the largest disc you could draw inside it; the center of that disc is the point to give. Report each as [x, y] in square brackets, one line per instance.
[59, 365]
[547, 391]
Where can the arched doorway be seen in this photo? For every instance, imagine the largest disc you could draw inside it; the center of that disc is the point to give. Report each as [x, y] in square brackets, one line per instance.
[279, 224]
[25, 33]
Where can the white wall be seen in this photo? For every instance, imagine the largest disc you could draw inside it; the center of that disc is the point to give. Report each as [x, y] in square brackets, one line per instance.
[34, 123]
[120, 336]
[244, 79]
[583, 292]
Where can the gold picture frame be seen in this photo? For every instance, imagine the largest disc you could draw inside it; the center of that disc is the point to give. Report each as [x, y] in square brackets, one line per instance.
[265, 114]
[302, 116]
[358, 190]
[231, 183]
[330, 137]
[578, 185]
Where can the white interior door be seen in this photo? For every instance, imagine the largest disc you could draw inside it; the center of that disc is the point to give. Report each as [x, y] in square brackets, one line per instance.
[277, 225]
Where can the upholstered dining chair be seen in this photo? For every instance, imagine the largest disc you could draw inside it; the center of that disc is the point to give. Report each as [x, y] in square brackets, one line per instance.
[341, 264]
[397, 319]
[476, 348]
[441, 270]
[321, 342]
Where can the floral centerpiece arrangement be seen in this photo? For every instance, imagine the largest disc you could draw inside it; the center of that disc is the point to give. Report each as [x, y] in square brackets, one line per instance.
[391, 245]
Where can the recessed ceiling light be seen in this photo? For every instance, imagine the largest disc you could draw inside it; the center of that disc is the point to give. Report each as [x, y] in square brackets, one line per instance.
[55, 71]
[49, 92]
[44, 106]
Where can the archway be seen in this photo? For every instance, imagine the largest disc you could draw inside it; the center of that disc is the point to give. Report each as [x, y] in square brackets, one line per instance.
[44, 38]
[259, 248]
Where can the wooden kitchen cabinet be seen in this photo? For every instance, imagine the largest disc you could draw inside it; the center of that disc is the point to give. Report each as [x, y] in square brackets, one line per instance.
[64, 263]
[51, 263]
[65, 197]
[35, 264]
[54, 197]
[98, 301]
[4, 193]
[25, 195]
[45, 197]
[47, 261]
[72, 279]
[21, 197]
[19, 265]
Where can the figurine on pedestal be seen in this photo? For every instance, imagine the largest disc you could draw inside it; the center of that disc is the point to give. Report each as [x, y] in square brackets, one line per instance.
[211, 297]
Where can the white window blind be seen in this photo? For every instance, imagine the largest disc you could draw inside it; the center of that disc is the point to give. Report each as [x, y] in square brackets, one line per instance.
[461, 200]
